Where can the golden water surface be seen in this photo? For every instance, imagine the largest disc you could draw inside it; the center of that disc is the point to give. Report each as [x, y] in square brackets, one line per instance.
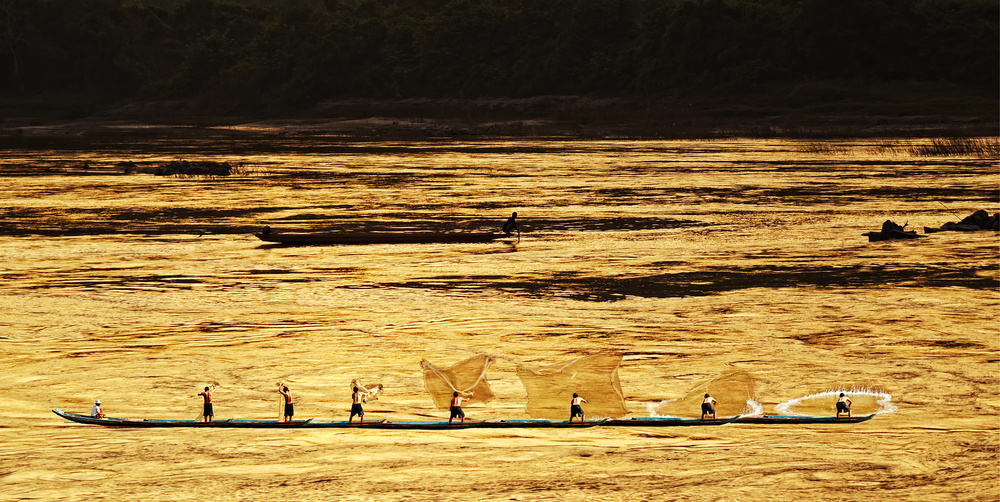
[695, 260]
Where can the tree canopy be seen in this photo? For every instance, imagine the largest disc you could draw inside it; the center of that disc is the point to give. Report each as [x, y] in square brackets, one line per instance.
[261, 55]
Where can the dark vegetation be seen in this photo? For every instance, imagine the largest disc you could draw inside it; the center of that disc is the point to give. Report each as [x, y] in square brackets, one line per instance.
[270, 57]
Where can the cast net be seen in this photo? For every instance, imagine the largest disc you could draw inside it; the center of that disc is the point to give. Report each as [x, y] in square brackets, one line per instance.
[733, 392]
[468, 378]
[594, 378]
[373, 391]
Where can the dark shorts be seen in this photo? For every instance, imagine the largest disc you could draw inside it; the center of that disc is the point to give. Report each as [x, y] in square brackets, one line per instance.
[290, 410]
[456, 412]
[356, 410]
[842, 407]
[706, 409]
[575, 410]
[208, 410]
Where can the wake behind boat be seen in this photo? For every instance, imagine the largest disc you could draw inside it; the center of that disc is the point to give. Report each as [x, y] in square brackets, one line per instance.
[325, 238]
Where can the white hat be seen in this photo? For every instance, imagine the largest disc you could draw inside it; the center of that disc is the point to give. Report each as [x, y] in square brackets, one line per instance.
[97, 402]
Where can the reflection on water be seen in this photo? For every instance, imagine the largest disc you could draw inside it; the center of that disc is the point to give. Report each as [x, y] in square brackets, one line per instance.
[731, 267]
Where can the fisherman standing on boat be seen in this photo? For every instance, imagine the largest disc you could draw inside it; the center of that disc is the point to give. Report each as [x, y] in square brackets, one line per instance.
[96, 411]
[208, 412]
[289, 409]
[510, 225]
[844, 405]
[356, 409]
[575, 410]
[456, 407]
[707, 407]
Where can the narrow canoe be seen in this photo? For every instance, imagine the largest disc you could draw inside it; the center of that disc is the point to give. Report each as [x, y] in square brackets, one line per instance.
[793, 419]
[668, 421]
[892, 235]
[305, 239]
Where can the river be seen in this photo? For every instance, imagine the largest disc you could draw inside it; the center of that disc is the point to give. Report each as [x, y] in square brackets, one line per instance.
[695, 260]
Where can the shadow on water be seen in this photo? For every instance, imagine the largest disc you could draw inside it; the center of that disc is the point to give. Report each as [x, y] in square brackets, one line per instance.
[719, 280]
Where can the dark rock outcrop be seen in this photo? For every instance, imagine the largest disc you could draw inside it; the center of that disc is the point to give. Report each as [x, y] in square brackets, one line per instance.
[979, 220]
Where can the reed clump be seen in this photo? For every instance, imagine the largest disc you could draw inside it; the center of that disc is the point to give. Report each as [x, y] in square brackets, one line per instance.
[985, 148]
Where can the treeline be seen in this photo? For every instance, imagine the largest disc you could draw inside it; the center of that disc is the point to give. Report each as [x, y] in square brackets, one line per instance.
[263, 55]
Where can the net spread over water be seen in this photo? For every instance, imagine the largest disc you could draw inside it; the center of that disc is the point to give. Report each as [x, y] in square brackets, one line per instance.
[594, 378]
[467, 377]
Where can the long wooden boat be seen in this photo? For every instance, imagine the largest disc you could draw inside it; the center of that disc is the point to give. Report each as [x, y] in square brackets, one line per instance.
[306, 239]
[668, 421]
[388, 424]
[799, 419]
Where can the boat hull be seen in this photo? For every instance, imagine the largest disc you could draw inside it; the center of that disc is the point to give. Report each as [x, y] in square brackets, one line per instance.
[540, 424]
[792, 419]
[226, 424]
[306, 239]
[668, 422]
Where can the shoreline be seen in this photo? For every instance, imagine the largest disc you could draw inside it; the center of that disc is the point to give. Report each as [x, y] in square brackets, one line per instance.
[556, 117]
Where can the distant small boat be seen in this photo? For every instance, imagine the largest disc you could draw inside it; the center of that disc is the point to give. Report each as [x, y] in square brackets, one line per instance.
[800, 419]
[305, 239]
[891, 235]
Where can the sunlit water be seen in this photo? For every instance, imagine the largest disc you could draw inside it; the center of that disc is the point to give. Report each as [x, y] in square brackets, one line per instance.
[694, 259]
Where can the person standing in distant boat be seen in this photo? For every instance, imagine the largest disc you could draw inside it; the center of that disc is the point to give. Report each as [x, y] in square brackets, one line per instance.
[289, 409]
[510, 225]
[575, 410]
[707, 407]
[96, 411]
[208, 413]
[456, 407]
[356, 408]
[844, 405]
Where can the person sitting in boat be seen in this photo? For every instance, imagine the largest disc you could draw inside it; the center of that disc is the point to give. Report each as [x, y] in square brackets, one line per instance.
[891, 226]
[844, 405]
[207, 412]
[356, 408]
[456, 407]
[510, 225]
[707, 407]
[289, 409]
[267, 230]
[575, 410]
[96, 411]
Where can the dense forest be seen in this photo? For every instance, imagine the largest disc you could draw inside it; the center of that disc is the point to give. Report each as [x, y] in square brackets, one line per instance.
[274, 55]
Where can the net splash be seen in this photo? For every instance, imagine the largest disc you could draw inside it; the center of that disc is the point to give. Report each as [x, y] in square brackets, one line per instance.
[864, 400]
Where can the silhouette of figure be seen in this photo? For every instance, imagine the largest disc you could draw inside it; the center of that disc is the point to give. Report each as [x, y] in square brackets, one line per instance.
[510, 225]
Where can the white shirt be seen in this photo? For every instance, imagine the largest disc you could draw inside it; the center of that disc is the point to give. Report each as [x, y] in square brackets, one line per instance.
[95, 411]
